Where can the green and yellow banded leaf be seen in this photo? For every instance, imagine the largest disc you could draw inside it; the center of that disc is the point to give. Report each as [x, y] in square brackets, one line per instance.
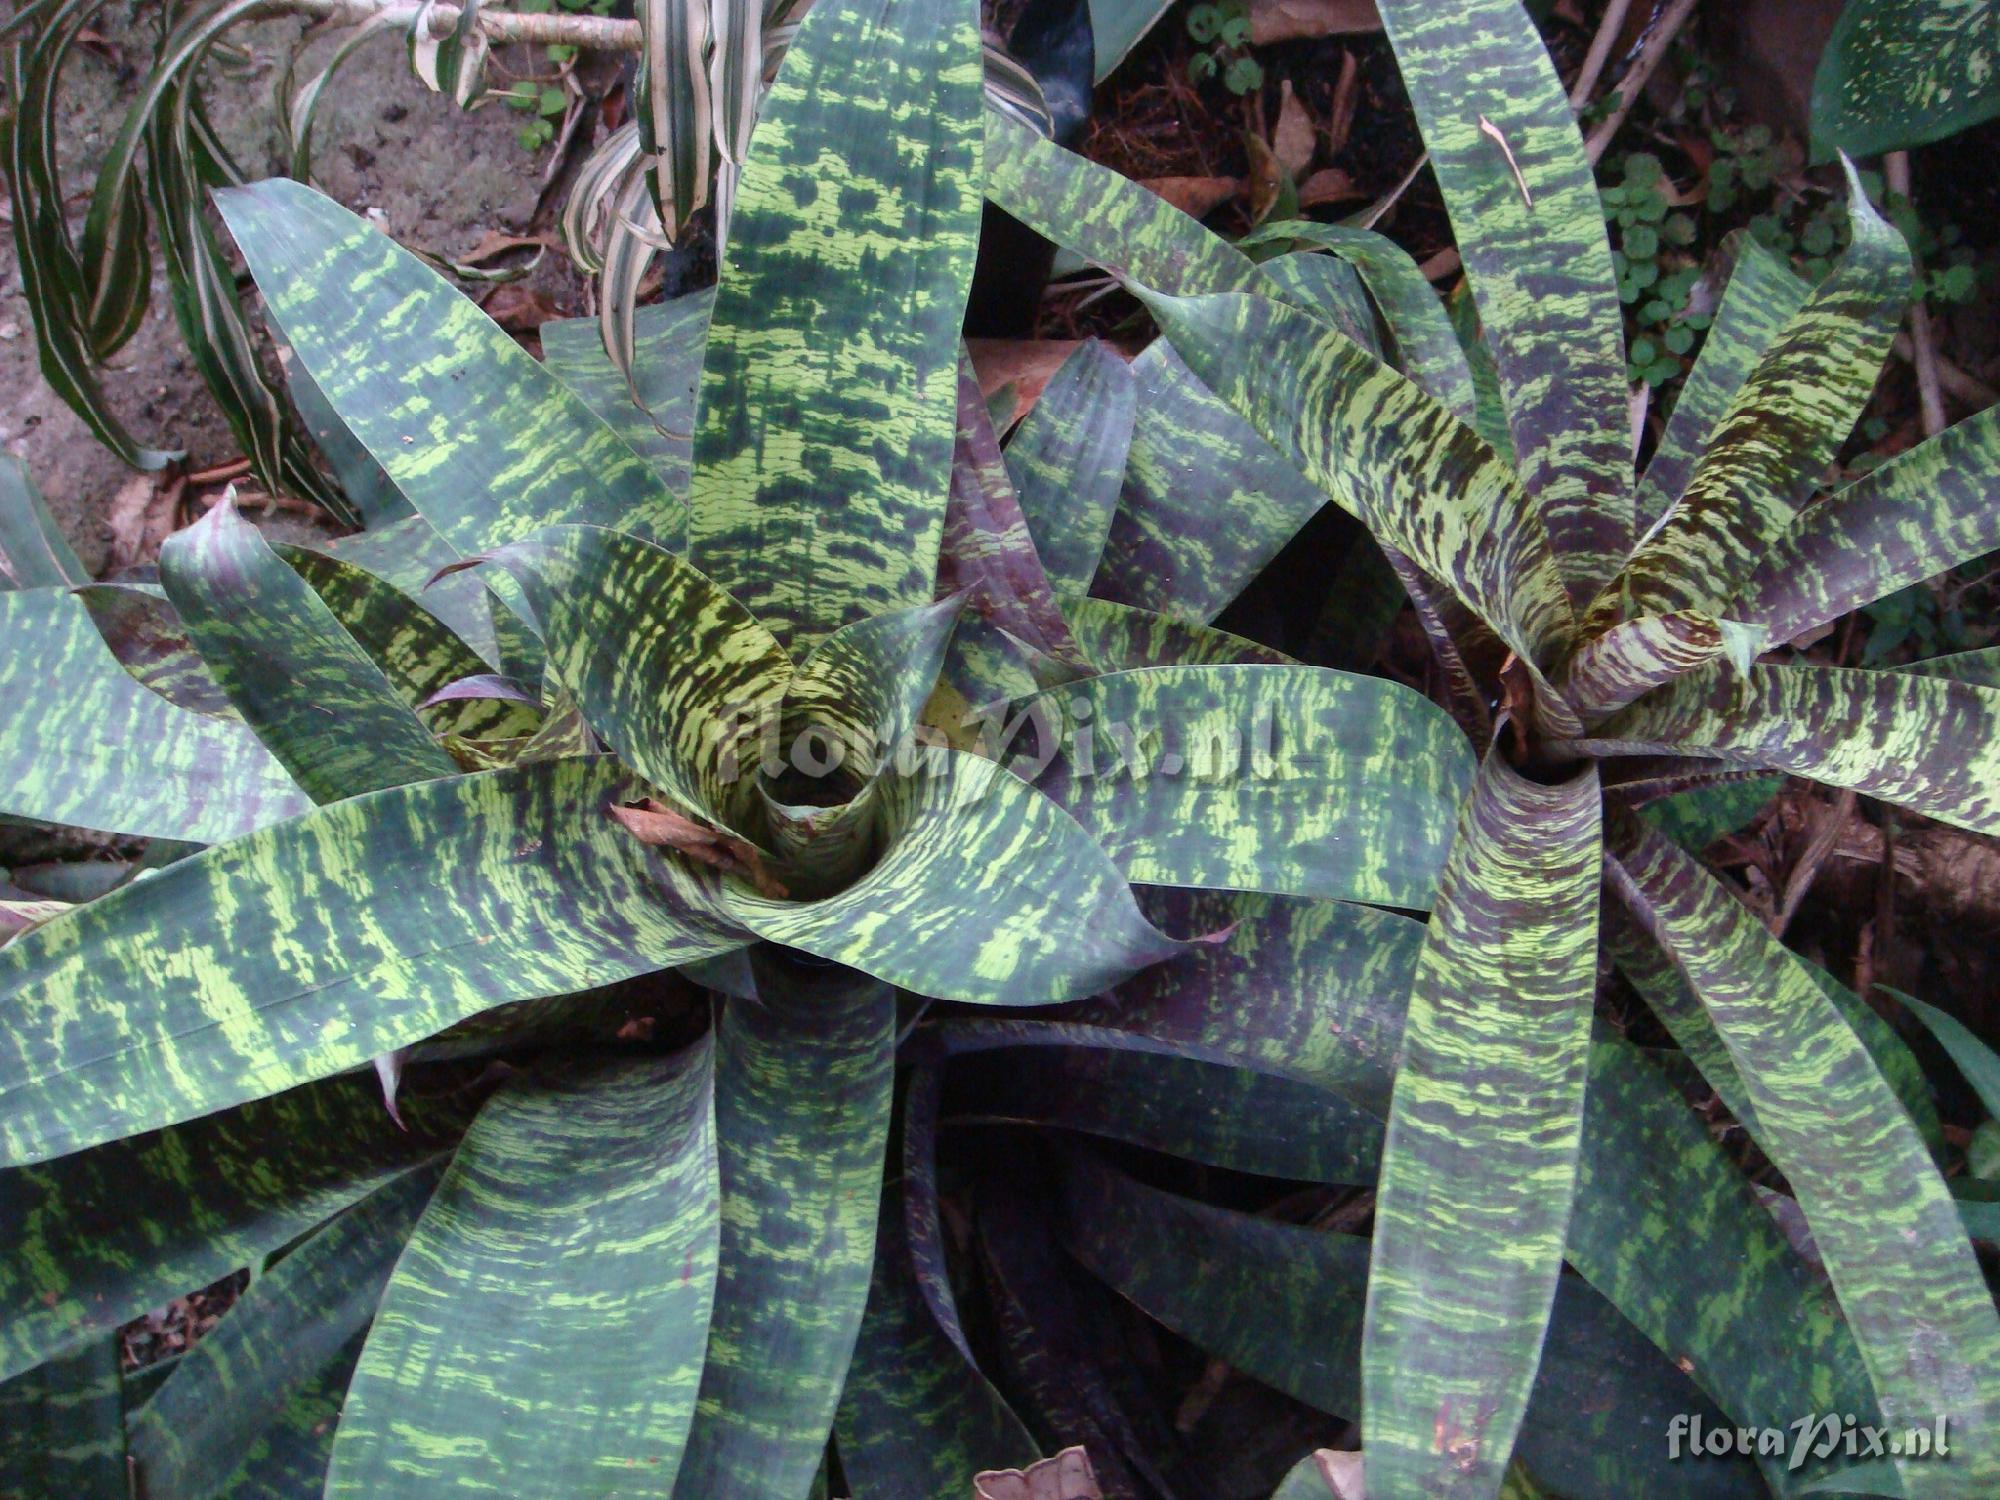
[544, 1331]
[303, 684]
[1525, 213]
[289, 1325]
[418, 374]
[102, 1236]
[313, 946]
[62, 1427]
[1294, 780]
[825, 439]
[803, 1081]
[1924, 512]
[1771, 447]
[1762, 296]
[1480, 1163]
[1928, 743]
[83, 743]
[1067, 461]
[1886, 1227]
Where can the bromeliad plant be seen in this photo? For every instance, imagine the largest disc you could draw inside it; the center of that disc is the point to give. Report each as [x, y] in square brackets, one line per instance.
[1630, 634]
[642, 1253]
[640, 1262]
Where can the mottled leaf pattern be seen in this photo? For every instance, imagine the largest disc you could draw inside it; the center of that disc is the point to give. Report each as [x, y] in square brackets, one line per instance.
[1504, 145]
[1898, 73]
[1920, 514]
[1632, 658]
[663, 663]
[986, 892]
[1479, 1165]
[988, 552]
[417, 371]
[313, 946]
[1884, 1222]
[322, 707]
[1206, 502]
[1067, 460]
[1761, 298]
[1123, 638]
[1929, 743]
[62, 1429]
[916, 1421]
[543, 1332]
[106, 753]
[803, 1079]
[824, 451]
[1422, 481]
[669, 339]
[102, 1236]
[289, 1325]
[1773, 443]
[1295, 780]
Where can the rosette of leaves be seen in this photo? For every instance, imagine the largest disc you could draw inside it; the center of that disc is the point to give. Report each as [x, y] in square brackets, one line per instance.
[633, 1251]
[1629, 633]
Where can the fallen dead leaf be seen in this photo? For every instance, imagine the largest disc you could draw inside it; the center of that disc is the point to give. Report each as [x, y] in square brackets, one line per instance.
[1328, 185]
[653, 822]
[1294, 141]
[1293, 20]
[1067, 1476]
[496, 242]
[143, 514]
[519, 309]
[1346, 97]
[1197, 197]
[1267, 178]
[1025, 364]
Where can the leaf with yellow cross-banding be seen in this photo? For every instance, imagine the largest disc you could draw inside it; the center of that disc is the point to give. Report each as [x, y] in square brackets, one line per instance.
[1922, 513]
[1295, 780]
[318, 944]
[544, 1331]
[1761, 297]
[1928, 743]
[1770, 448]
[290, 1324]
[302, 683]
[1067, 461]
[824, 447]
[1480, 1163]
[83, 743]
[106, 1234]
[1510, 162]
[804, 1075]
[483, 441]
[1886, 1227]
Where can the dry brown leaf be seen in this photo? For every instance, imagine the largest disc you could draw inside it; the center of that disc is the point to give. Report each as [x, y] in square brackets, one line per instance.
[1267, 178]
[1197, 197]
[519, 308]
[1328, 185]
[1025, 364]
[1067, 1476]
[1294, 141]
[1291, 20]
[497, 242]
[1346, 98]
[142, 515]
[652, 822]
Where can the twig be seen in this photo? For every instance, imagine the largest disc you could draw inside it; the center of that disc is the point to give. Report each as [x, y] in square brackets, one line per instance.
[1826, 834]
[1930, 397]
[236, 468]
[1651, 55]
[553, 28]
[1599, 53]
[1959, 384]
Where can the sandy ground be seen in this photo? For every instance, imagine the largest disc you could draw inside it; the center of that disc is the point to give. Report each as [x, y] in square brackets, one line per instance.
[433, 175]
